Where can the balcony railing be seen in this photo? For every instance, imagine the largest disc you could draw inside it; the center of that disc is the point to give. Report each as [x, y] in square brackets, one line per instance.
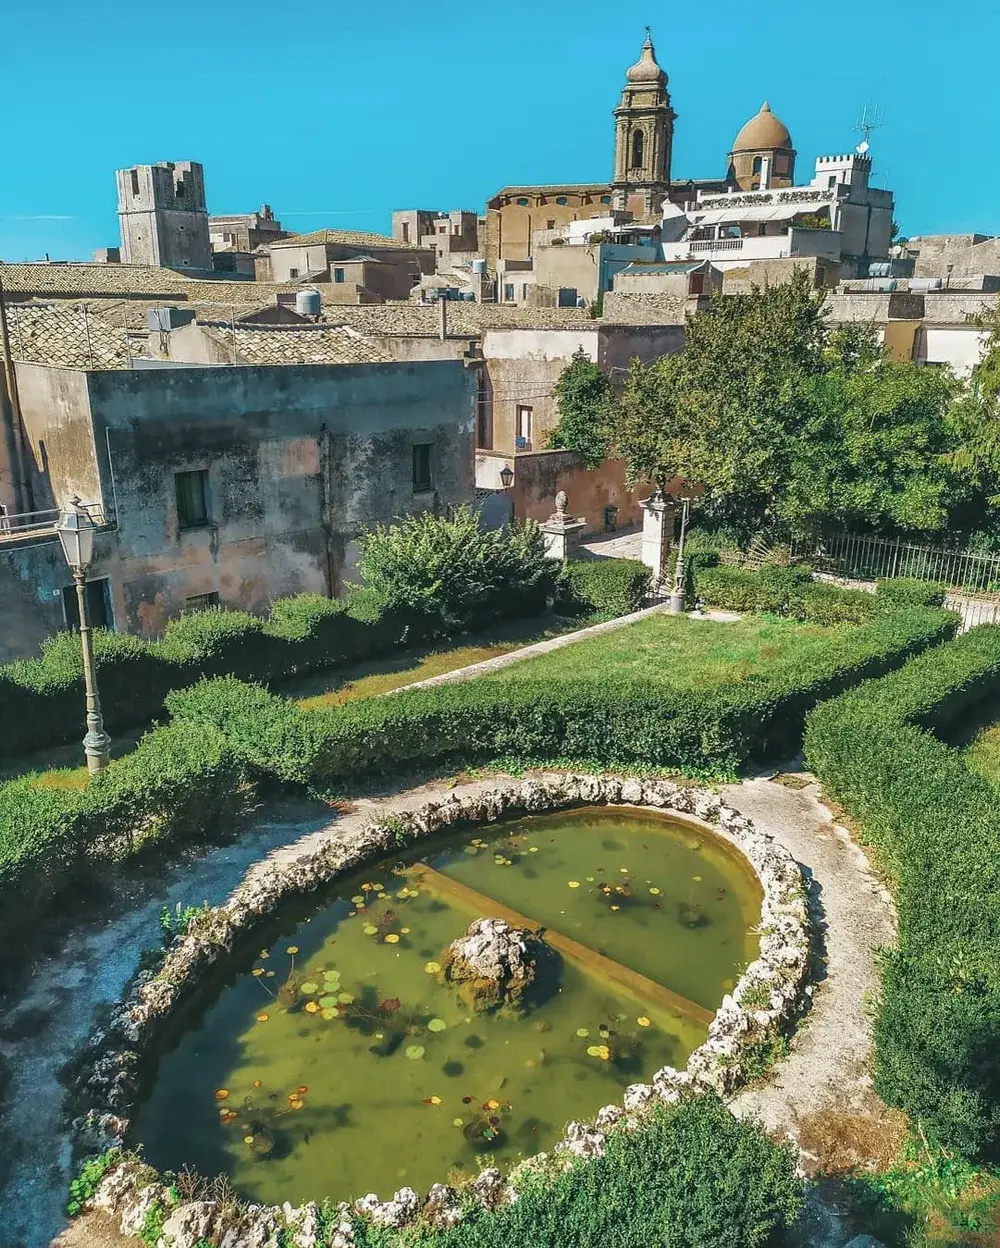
[717, 244]
[40, 523]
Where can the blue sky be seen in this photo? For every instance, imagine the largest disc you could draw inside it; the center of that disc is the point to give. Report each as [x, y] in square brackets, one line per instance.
[338, 113]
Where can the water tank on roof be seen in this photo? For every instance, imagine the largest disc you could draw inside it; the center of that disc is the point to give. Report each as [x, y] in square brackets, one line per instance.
[479, 266]
[308, 302]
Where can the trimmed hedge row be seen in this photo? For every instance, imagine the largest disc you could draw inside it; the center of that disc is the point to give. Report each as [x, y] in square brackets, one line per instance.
[692, 1176]
[603, 720]
[908, 591]
[182, 783]
[784, 591]
[41, 700]
[610, 586]
[935, 826]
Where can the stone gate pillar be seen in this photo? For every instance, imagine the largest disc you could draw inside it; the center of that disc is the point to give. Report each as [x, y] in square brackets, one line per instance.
[657, 530]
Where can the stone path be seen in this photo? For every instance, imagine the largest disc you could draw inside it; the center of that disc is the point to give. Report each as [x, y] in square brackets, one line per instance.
[821, 1094]
[827, 1071]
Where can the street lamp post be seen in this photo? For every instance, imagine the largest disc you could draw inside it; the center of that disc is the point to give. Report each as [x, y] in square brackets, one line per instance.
[677, 593]
[76, 530]
[506, 476]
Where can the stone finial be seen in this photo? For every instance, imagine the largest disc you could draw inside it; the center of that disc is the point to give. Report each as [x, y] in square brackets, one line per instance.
[562, 503]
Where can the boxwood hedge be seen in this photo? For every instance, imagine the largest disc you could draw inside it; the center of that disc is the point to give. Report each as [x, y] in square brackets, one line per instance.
[935, 826]
[608, 586]
[41, 700]
[603, 720]
[784, 591]
[181, 783]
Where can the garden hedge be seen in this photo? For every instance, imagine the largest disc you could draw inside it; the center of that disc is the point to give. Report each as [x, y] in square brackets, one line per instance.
[784, 591]
[611, 721]
[935, 826]
[41, 700]
[182, 783]
[608, 586]
[692, 1177]
[908, 591]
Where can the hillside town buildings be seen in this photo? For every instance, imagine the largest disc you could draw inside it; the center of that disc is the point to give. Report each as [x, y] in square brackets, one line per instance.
[237, 401]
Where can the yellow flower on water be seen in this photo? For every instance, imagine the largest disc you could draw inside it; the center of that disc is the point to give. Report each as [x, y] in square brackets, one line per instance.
[614, 907]
[264, 954]
[642, 1020]
[248, 1139]
[655, 892]
[432, 968]
[392, 939]
[258, 970]
[293, 949]
[405, 931]
[434, 1100]
[532, 849]
[493, 1103]
[262, 1017]
[311, 1007]
[574, 883]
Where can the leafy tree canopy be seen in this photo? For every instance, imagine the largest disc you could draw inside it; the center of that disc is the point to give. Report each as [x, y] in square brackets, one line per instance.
[583, 395]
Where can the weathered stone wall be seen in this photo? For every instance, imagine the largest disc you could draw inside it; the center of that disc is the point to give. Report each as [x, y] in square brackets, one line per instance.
[542, 474]
[645, 307]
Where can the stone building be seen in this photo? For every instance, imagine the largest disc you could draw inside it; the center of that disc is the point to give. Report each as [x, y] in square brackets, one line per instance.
[162, 216]
[361, 267]
[235, 238]
[230, 485]
[452, 236]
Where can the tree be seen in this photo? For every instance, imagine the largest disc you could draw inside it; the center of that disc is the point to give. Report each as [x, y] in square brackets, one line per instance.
[583, 394]
[723, 412]
[977, 416]
[874, 451]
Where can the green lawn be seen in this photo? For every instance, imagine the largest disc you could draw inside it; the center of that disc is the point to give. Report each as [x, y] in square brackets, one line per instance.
[684, 654]
[983, 754]
[367, 680]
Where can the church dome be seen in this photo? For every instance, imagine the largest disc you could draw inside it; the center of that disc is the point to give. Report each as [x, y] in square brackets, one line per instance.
[646, 70]
[763, 133]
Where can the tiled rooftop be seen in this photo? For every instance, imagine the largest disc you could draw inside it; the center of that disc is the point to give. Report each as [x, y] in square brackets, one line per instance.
[348, 238]
[283, 344]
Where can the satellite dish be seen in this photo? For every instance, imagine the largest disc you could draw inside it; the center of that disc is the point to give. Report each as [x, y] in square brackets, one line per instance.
[863, 148]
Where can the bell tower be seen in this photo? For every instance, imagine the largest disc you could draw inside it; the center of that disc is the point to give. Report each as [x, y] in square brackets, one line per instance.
[644, 135]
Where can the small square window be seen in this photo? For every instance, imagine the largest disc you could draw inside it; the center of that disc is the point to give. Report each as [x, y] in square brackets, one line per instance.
[192, 499]
[423, 480]
[338, 275]
[200, 602]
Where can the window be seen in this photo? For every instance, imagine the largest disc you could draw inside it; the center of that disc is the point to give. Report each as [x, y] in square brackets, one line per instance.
[179, 191]
[522, 202]
[551, 224]
[523, 442]
[605, 199]
[192, 499]
[135, 181]
[406, 231]
[831, 180]
[562, 201]
[758, 164]
[338, 275]
[293, 272]
[508, 292]
[422, 477]
[200, 602]
[638, 148]
[98, 604]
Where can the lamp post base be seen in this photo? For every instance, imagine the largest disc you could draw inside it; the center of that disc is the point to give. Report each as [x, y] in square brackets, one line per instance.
[97, 747]
[677, 603]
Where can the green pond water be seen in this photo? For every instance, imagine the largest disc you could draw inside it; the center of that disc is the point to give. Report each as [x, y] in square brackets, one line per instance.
[329, 1060]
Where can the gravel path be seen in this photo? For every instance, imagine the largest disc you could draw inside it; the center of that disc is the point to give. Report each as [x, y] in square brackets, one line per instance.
[821, 1094]
[825, 1077]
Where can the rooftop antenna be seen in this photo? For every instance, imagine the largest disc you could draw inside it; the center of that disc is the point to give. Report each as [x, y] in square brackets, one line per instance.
[869, 118]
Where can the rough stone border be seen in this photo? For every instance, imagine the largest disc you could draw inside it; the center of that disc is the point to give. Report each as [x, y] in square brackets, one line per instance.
[764, 998]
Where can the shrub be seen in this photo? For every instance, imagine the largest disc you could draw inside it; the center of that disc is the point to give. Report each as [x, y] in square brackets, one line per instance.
[691, 1177]
[783, 591]
[455, 573]
[181, 783]
[907, 591]
[602, 720]
[610, 586]
[935, 827]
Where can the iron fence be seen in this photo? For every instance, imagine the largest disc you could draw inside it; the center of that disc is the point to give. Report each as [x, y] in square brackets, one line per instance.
[867, 558]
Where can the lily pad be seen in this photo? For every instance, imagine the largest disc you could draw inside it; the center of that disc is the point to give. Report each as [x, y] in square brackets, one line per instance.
[328, 1002]
[329, 1013]
[437, 1024]
[414, 1052]
[583, 1032]
[573, 883]
[345, 998]
[392, 939]
[642, 1020]
[370, 929]
[309, 987]
[432, 968]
